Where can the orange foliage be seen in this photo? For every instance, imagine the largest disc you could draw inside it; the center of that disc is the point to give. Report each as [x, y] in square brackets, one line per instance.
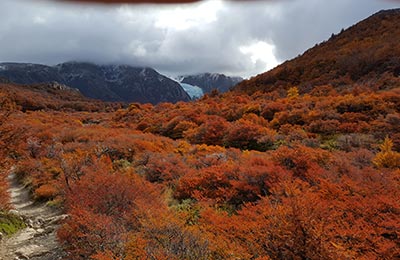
[366, 52]
[46, 192]
[4, 196]
[100, 206]
[230, 176]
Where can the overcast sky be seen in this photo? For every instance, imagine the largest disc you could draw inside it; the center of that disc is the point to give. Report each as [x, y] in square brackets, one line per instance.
[241, 39]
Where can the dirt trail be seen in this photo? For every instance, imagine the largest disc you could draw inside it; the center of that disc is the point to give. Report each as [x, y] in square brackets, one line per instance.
[38, 240]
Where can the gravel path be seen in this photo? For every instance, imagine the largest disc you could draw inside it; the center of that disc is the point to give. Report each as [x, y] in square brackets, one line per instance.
[37, 241]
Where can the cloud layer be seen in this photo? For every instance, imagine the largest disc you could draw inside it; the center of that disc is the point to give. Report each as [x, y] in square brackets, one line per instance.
[210, 36]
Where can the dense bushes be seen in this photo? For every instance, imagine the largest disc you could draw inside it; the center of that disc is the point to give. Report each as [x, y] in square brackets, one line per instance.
[233, 177]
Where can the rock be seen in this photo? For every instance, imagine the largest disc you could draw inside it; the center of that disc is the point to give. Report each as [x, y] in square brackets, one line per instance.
[57, 219]
[20, 256]
[30, 250]
[1, 236]
[39, 232]
[29, 223]
[14, 212]
[48, 230]
[39, 221]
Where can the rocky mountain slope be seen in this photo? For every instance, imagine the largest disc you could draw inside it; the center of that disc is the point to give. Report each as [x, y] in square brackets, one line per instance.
[209, 81]
[104, 82]
[367, 53]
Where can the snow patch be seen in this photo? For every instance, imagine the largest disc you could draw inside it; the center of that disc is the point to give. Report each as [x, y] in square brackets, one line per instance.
[214, 76]
[143, 72]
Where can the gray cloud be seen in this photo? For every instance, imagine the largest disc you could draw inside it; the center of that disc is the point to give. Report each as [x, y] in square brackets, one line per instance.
[209, 40]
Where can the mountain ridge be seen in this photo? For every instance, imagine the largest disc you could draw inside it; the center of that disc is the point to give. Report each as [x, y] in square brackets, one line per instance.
[105, 82]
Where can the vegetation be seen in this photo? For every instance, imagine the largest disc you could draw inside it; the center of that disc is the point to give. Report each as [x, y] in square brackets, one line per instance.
[366, 54]
[227, 177]
[10, 224]
[266, 174]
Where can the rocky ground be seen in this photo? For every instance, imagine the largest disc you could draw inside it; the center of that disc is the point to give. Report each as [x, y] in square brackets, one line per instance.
[38, 239]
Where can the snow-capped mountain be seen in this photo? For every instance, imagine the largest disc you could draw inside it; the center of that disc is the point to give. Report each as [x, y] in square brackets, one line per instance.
[209, 81]
[105, 82]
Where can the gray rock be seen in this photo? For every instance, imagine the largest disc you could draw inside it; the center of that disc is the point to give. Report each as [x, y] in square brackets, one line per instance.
[48, 230]
[29, 222]
[14, 212]
[40, 221]
[57, 219]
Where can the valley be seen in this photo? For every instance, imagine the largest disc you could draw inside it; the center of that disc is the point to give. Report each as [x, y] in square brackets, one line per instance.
[300, 162]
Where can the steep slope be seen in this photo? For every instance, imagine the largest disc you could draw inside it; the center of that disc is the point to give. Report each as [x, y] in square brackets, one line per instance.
[105, 82]
[367, 53]
[209, 81]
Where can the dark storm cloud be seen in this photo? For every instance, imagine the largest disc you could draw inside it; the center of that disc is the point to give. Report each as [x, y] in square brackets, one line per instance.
[174, 40]
[308, 22]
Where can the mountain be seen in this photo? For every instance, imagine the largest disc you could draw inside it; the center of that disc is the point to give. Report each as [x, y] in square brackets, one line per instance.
[105, 82]
[48, 96]
[209, 81]
[367, 53]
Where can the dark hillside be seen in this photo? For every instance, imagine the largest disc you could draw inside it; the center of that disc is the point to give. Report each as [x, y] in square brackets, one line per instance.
[117, 83]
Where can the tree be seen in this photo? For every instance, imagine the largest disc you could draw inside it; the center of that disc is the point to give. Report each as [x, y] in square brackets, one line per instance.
[387, 158]
[293, 92]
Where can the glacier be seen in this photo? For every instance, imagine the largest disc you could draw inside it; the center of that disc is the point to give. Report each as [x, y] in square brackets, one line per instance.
[193, 91]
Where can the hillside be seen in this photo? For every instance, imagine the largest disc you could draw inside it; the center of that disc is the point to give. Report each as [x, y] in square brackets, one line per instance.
[105, 82]
[48, 96]
[366, 54]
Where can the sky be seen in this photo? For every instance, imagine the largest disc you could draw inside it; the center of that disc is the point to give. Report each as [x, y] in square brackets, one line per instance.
[235, 38]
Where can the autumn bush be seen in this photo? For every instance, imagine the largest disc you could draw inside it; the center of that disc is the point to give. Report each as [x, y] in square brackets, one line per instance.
[46, 192]
[101, 206]
[230, 176]
[4, 195]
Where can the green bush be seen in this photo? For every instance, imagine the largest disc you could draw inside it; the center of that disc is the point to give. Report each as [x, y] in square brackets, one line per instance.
[10, 224]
